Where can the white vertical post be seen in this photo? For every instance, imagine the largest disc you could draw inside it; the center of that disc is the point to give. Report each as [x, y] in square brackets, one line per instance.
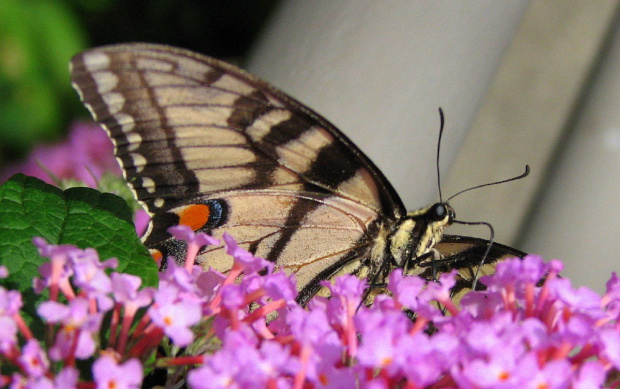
[578, 217]
[379, 70]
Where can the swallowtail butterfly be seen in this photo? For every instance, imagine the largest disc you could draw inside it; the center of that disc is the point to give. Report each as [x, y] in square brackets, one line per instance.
[206, 144]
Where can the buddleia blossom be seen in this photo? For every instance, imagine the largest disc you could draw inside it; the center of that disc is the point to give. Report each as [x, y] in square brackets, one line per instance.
[84, 156]
[108, 373]
[82, 291]
[244, 328]
[513, 335]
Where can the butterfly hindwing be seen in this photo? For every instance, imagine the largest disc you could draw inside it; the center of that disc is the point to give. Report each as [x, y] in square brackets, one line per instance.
[464, 254]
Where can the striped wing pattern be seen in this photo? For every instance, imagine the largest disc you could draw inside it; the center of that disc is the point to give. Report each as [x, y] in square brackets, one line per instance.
[189, 129]
[465, 253]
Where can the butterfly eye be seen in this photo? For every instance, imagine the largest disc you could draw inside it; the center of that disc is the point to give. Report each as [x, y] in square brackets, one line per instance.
[439, 211]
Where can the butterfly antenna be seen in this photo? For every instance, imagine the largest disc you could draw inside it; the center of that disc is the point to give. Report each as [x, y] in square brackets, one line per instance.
[441, 124]
[491, 230]
[520, 176]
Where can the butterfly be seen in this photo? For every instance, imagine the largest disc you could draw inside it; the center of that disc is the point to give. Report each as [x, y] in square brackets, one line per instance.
[205, 144]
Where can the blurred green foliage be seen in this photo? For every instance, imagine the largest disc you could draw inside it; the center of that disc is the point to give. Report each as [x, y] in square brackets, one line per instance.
[38, 37]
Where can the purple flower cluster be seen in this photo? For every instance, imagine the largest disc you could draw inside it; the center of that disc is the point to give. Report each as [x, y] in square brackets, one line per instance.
[513, 335]
[80, 294]
[85, 156]
[245, 329]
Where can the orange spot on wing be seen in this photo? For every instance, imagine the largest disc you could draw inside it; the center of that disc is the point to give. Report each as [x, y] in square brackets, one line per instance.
[194, 216]
[156, 254]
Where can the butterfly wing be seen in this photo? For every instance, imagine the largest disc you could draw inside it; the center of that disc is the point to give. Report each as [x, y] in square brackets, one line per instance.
[464, 253]
[206, 144]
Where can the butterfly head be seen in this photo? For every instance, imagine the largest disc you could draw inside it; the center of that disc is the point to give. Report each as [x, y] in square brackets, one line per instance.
[416, 234]
[441, 213]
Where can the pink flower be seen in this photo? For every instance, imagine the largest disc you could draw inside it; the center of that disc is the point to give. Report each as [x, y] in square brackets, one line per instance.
[33, 359]
[244, 258]
[175, 316]
[109, 374]
[78, 327]
[85, 156]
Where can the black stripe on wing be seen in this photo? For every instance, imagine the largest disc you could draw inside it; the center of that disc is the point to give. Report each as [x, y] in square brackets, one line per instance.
[465, 254]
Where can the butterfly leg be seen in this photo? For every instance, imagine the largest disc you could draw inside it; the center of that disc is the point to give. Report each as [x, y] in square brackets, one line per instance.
[434, 256]
[381, 272]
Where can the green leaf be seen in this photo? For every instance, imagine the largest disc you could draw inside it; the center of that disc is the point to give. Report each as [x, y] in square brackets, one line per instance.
[80, 216]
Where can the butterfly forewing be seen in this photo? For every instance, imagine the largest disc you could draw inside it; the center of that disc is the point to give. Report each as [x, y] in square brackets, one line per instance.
[189, 129]
[185, 124]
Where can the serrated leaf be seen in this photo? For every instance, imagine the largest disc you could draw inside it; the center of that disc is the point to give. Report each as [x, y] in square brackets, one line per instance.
[80, 216]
